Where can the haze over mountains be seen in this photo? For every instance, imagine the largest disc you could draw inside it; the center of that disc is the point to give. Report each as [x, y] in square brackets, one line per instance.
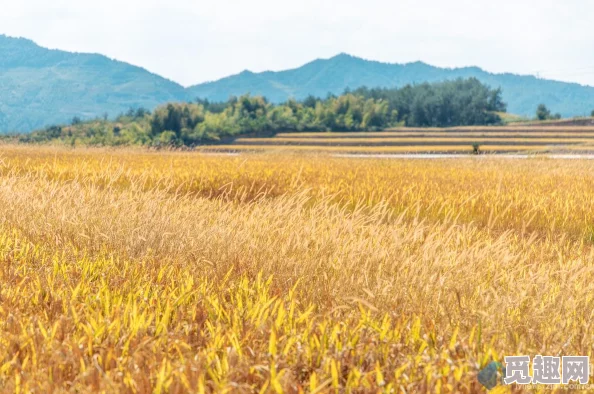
[40, 87]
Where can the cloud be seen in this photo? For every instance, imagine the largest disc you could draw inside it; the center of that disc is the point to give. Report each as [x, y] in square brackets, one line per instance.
[192, 41]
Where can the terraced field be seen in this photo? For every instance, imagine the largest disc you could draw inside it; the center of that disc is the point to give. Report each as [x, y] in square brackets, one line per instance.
[532, 139]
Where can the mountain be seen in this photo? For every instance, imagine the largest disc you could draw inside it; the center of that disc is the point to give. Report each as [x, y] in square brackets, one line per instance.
[39, 86]
[334, 75]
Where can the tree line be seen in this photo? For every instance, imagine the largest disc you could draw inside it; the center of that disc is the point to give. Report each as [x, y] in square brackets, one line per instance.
[462, 102]
[451, 103]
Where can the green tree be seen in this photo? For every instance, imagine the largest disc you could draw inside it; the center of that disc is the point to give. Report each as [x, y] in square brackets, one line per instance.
[460, 102]
[542, 112]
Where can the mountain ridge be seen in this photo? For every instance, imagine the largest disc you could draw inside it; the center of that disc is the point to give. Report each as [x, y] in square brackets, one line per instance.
[522, 92]
[41, 86]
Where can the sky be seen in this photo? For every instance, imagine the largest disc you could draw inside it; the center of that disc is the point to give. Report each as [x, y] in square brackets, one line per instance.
[192, 41]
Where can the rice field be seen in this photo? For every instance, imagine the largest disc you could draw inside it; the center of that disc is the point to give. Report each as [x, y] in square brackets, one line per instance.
[409, 132]
[171, 272]
[415, 141]
[364, 148]
[543, 139]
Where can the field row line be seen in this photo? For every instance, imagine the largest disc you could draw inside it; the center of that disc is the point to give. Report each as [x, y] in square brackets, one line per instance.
[410, 148]
[391, 134]
[464, 140]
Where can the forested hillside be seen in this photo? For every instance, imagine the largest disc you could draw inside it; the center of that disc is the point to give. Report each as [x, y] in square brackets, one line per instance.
[460, 102]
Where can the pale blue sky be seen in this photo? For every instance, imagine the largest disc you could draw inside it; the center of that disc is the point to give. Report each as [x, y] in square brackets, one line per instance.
[193, 41]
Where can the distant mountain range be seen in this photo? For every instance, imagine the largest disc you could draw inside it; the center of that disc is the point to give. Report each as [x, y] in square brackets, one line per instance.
[39, 86]
[521, 93]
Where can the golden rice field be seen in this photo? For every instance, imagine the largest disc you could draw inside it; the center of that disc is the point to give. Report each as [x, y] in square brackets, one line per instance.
[173, 272]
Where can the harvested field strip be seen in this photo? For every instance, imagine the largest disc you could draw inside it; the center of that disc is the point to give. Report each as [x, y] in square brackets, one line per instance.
[489, 129]
[577, 131]
[438, 134]
[387, 149]
[409, 141]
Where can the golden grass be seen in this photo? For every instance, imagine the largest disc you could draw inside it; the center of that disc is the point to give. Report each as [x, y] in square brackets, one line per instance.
[178, 272]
